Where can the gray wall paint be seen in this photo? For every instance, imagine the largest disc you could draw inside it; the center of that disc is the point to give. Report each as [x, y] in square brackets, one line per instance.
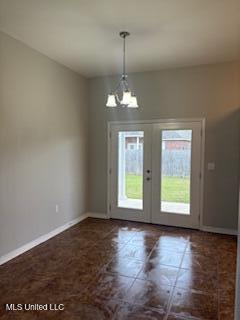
[43, 144]
[207, 91]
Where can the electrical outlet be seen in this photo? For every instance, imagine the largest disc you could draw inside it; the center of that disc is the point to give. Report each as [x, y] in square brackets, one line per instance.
[56, 208]
[211, 166]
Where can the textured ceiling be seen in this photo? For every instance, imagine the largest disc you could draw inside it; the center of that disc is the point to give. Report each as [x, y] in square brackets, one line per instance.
[83, 34]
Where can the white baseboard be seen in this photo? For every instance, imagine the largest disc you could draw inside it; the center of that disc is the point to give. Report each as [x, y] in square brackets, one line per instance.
[97, 215]
[40, 239]
[219, 230]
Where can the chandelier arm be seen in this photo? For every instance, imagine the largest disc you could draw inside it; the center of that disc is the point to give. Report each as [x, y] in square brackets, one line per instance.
[117, 87]
[118, 100]
[126, 85]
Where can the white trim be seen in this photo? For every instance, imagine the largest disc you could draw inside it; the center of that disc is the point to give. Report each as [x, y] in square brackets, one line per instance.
[232, 232]
[203, 128]
[97, 215]
[190, 220]
[41, 239]
[156, 121]
[203, 135]
[122, 212]
[109, 169]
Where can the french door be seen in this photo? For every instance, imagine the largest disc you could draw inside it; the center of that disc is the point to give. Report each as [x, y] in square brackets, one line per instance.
[155, 172]
[130, 184]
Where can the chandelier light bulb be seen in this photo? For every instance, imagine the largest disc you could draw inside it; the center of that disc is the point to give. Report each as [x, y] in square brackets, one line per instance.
[111, 101]
[133, 102]
[126, 99]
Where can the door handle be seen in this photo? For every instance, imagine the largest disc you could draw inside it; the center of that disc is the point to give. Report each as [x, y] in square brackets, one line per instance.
[148, 178]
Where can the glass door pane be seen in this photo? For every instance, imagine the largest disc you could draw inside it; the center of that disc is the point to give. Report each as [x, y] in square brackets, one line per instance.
[176, 171]
[130, 169]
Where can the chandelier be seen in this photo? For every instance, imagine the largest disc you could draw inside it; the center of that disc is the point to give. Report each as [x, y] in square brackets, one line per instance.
[128, 98]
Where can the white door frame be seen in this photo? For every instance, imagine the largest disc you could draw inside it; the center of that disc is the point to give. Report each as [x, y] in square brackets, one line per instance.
[163, 215]
[202, 121]
[122, 212]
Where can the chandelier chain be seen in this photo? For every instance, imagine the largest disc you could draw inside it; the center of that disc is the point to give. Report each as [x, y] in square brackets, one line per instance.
[124, 58]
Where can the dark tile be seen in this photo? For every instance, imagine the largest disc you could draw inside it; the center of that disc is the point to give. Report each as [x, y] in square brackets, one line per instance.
[88, 309]
[75, 244]
[166, 257]
[100, 254]
[135, 252]
[176, 317]
[150, 294]
[204, 238]
[112, 286]
[206, 249]
[146, 239]
[172, 243]
[137, 312]
[155, 272]
[182, 233]
[108, 246]
[199, 262]
[125, 266]
[201, 281]
[228, 296]
[98, 225]
[226, 310]
[228, 244]
[70, 268]
[227, 262]
[226, 303]
[121, 235]
[92, 235]
[189, 303]
[78, 267]
[226, 281]
[24, 315]
[156, 230]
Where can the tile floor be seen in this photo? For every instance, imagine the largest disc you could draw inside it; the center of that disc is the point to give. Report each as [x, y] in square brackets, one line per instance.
[111, 269]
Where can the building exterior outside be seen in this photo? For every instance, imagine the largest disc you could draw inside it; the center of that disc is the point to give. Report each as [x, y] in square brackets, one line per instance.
[171, 141]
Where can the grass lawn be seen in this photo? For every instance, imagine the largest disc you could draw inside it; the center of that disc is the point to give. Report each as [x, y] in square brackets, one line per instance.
[174, 189]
